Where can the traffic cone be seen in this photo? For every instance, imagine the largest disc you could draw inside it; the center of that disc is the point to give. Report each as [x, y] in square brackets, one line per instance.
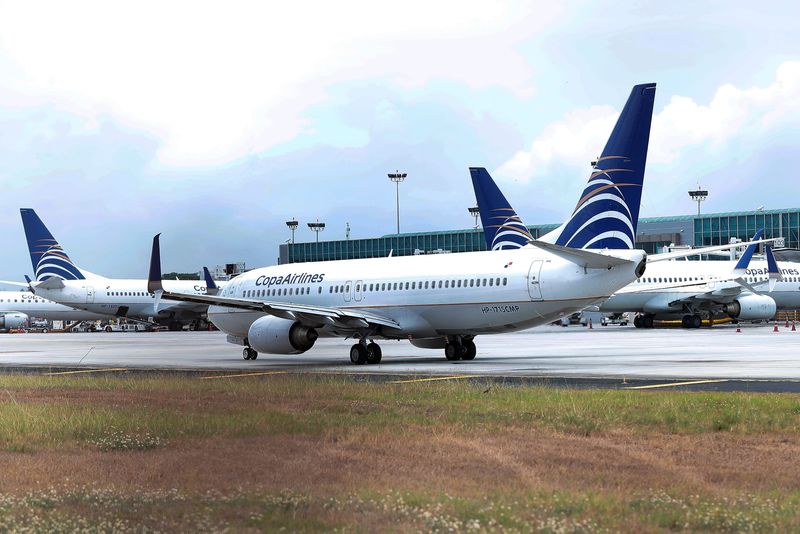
[738, 329]
[787, 322]
[590, 324]
[776, 327]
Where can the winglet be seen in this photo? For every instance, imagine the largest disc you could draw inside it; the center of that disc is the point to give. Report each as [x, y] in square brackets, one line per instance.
[772, 266]
[211, 286]
[154, 278]
[744, 261]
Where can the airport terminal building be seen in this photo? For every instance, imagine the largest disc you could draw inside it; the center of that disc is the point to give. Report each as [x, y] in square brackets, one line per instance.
[654, 234]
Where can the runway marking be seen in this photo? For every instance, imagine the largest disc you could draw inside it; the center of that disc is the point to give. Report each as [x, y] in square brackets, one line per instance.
[671, 384]
[245, 374]
[87, 371]
[430, 379]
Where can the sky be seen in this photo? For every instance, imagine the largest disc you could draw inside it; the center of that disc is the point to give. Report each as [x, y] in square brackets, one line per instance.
[214, 123]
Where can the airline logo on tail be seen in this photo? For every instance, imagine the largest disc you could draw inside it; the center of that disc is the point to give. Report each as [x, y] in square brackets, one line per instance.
[607, 214]
[502, 226]
[47, 257]
[603, 218]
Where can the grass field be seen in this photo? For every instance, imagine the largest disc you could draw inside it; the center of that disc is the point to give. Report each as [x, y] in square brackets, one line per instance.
[322, 453]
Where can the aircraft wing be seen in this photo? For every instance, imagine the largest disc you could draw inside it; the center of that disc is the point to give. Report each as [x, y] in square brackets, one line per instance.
[305, 313]
[16, 284]
[665, 256]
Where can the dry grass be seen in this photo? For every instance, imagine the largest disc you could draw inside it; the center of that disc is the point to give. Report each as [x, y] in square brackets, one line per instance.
[315, 454]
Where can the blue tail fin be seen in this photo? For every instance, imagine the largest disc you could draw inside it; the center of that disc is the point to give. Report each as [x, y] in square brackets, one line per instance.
[47, 257]
[607, 213]
[502, 227]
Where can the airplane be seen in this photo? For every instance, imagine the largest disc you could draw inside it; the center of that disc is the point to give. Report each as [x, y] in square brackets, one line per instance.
[436, 301]
[58, 279]
[18, 307]
[689, 290]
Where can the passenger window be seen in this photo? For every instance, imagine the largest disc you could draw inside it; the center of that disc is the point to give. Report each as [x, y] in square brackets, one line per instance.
[497, 282]
[459, 283]
[505, 281]
[413, 285]
[406, 285]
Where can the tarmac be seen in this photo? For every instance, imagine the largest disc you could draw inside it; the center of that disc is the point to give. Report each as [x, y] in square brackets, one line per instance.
[756, 359]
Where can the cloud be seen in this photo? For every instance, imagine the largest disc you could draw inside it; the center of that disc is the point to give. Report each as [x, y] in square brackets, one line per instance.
[732, 115]
[217, 84]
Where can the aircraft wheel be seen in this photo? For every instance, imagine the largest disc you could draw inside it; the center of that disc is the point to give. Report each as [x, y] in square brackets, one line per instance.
[358, 354]
[686, 321]
[470, 350]
[647, 321]
[695, 321]
[246, 353]
[374, 353]
[637, 321]
[453, 351]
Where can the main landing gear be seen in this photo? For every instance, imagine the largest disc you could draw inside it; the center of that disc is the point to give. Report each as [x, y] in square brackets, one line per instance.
[460, 348]
[363, 352]
[249, 353]
[691, 321]
[643, 321]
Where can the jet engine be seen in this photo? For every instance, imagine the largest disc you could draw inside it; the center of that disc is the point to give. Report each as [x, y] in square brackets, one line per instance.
[751, 307]
[274, 335]
[12, 320]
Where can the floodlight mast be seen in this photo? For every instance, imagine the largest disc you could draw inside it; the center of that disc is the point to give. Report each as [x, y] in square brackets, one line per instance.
[292, 226]
[475, 212]
[698, 195]
[316, 227]
[397, 177]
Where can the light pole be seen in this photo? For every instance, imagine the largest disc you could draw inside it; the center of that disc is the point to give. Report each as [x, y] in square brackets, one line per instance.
[317, 227]
[475, 212]
[292, 226]
[698, 195]
[397, 177]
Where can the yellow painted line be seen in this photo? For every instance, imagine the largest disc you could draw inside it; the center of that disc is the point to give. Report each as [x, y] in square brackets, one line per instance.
[671, 384]
[245, 374]
[429, 379]
[87, 371]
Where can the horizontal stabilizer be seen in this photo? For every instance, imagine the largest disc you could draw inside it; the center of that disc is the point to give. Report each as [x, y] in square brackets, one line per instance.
[584, 258]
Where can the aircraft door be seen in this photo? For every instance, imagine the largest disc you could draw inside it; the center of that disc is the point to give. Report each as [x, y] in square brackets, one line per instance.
[534, 285]
[89, 294]
[348, 287]
[359, 290]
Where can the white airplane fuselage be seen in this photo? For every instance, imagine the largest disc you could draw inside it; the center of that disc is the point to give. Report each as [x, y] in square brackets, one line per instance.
[127, 298]
[710, 275]
[436, 295]
[32, 305]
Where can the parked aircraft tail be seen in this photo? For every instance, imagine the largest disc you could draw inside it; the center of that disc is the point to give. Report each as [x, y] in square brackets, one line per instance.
[48, 258]
[607, 214]
[502, 227]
